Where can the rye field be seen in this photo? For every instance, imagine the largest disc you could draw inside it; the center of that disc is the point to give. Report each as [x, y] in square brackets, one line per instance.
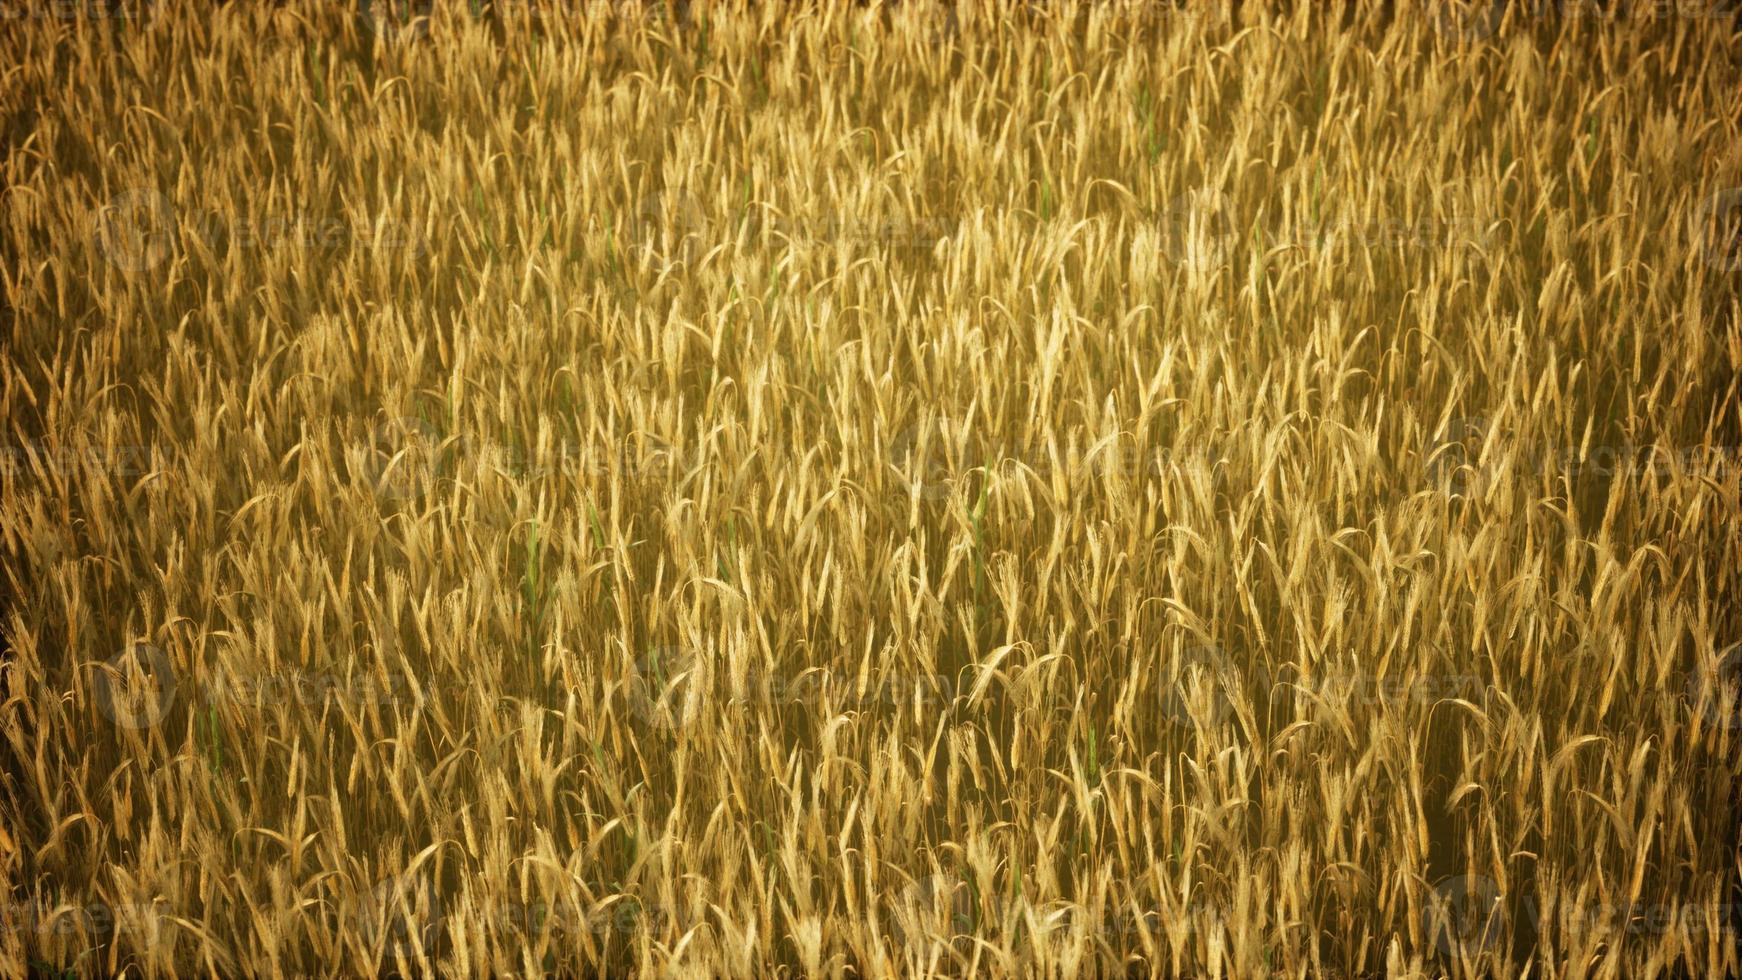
[602, 488]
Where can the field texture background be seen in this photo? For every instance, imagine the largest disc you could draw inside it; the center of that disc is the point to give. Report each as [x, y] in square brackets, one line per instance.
[586, 487]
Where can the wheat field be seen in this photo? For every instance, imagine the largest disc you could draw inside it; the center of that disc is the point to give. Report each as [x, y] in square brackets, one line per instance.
[602, 488]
